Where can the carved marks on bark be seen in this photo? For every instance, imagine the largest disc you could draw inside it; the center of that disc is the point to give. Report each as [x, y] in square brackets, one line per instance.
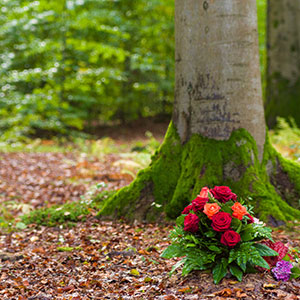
[216, 121]
[208, 107]
[204, 88]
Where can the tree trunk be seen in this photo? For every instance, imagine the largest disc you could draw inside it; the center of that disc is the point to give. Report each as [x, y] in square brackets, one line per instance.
[283, 60]
[218, 135]
[218, 86]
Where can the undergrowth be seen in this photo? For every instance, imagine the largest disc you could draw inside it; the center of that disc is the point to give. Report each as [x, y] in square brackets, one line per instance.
[286, 139]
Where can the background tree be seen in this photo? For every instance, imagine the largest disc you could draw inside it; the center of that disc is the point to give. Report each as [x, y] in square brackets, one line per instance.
[218, 135]
[283, 60]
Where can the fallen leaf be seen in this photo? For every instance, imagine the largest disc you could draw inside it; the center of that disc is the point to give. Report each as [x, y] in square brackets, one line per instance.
[270, 285]
[225, 292]
[134, 272]
[185, 290]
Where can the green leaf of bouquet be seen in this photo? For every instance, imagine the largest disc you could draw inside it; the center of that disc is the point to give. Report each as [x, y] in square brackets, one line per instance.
[235, 224]
[250, 269]
[232, 255]
[264, 250]
[176, 233]
[195, 240]
[241, 254]
[199, 256]
[214, 248]
[177, 265]
[286, 258]
[248, 228]
[190, 245]
[191, 265]
[259, 261]
[295, 272]
[246, 236]
[236, 271]
[192, 238]
[262, 232]
[210, 233]
[187, 268]
[180, 220]
[227, 207]
[173, 250]
[247, 253]
[220, 270]
[243, 266]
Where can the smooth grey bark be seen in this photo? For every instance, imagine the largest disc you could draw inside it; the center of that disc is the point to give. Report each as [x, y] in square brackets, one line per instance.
[283, 60]
[218, 87]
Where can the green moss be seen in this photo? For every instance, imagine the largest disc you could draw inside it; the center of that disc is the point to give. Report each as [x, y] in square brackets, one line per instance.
[274, 186]
[293, 171]
[179, 171]
[66, 214]
[51, 216]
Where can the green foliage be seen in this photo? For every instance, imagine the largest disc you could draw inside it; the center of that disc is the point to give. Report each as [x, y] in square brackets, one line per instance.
[68, 64]
[295, 272]
[68, 212]
[264, 250]
[236, 271]
[262, 232]
[248, 253]
[197, 259]
[220, 270]
[286, 138]
[173, 250]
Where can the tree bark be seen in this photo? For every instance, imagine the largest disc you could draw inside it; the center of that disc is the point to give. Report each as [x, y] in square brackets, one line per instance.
[283, 60]
[217, 70]
[218, 135]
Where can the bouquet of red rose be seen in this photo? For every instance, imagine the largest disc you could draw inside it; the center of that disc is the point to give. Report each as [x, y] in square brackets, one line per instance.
[219, 233]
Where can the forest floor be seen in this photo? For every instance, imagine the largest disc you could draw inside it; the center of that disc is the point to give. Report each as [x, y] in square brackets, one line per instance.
[95, 259]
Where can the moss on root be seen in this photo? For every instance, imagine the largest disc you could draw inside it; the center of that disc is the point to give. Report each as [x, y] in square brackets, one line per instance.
[178, 172]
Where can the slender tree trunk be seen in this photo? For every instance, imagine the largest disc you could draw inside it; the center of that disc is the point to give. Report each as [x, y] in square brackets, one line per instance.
[283, 60]
[218, 134]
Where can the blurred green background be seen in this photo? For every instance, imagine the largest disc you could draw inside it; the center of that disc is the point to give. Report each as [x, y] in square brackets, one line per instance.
[70, 66]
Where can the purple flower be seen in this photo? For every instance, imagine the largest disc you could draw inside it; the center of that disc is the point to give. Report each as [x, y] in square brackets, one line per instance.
[282, 271]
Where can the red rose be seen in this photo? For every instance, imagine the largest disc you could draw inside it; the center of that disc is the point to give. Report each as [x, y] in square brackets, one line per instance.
[250, 219]
[223, 194]
[230, 238]
[191, 223]
[205, 192]
[198, 203]
[187, 210]
[221, 221]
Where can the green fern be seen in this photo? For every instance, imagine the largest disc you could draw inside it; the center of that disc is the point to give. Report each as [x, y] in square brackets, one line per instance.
[262, 232]
[264, 250]
[247, 253]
